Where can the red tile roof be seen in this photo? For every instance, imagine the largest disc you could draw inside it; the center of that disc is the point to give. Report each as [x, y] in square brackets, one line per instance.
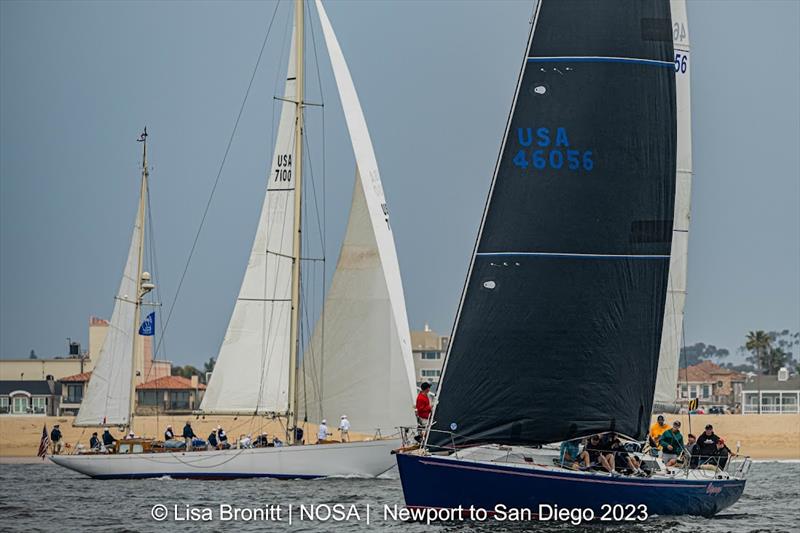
[706, 371]
[170, 383]
[77, 378]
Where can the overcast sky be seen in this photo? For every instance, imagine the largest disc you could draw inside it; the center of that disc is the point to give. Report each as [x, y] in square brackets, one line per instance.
[78, 80]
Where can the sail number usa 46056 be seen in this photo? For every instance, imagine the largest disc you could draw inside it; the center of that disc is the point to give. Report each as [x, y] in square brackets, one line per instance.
[541, 148]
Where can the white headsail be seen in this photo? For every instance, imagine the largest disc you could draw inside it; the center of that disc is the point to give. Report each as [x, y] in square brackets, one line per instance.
[252, 370]
[671, 338]
[108, 395]
[365, 367]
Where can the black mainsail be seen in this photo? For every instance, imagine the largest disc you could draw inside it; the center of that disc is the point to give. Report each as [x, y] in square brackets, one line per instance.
[558, 330]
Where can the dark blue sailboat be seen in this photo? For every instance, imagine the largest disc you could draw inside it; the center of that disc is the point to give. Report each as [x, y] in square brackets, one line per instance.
[558, 330]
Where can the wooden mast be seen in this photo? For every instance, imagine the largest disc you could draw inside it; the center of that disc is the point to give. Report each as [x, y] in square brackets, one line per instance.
[298, 194]
[140, 219]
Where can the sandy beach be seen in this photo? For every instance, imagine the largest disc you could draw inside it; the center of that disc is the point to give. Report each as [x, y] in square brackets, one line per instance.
[759, 436]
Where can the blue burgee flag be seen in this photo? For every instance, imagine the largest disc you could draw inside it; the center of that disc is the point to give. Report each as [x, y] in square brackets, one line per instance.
[148, 327]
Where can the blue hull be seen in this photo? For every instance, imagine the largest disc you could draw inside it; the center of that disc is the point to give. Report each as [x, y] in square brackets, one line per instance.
[446, 483]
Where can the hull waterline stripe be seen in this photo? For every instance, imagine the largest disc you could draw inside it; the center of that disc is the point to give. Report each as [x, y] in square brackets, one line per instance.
[580, 256]
[698, 485]
[602, 59]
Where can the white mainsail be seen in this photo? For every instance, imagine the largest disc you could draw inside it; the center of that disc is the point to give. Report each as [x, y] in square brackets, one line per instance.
[108, 394]
[252, 370]
[365, 367]
[671, 338]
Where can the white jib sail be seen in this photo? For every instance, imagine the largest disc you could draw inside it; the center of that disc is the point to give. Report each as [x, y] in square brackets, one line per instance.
[251, 374]
[108, 395]
[365, 368]
[672, 336]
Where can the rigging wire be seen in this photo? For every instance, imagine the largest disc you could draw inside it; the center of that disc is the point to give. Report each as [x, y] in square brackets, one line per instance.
[219, 175]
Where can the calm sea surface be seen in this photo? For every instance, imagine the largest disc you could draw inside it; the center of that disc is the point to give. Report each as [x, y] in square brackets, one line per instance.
[44, 497]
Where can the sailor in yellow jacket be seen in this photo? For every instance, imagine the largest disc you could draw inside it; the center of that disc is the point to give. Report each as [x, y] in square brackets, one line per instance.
[656, 430]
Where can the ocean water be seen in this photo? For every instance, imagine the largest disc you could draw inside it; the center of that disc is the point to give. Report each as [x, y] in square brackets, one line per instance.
[44, 497]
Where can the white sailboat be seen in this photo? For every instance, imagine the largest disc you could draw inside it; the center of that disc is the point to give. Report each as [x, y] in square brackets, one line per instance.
[365, 352]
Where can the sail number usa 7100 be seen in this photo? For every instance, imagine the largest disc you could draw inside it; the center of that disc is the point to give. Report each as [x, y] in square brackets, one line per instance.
[541, 148]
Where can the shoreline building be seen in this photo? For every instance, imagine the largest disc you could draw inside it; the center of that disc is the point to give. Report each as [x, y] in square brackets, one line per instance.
[429, 349]
[776, 394]
[56, 386]
[711, 384]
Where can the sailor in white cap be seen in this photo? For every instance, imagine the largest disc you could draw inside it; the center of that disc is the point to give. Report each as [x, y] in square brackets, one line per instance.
[169, 434]
[344, 428]
[322, 434]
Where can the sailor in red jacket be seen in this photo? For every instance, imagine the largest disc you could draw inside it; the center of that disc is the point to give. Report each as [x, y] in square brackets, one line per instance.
[423, 406]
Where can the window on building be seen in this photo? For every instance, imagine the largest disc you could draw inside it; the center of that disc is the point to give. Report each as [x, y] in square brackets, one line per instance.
[692, 391]
[4, 404]
[74, 392]
[21, 404]
[179, 399]
[684, 391]
[706, 391]
[426, 373]
[431, 355]
[148, 397]
[39, 404]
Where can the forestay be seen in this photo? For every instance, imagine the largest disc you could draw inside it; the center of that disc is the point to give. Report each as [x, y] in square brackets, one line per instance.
[364, 368]
[108, 394]
[672, 338]
[252, 370]
[557, 335]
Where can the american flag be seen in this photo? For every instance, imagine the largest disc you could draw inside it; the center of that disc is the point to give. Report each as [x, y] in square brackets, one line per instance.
[44, 443]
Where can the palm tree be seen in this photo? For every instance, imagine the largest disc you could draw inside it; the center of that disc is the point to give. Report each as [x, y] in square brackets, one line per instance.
[759, 343]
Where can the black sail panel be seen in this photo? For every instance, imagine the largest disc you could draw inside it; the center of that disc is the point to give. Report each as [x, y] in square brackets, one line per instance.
[559, 327]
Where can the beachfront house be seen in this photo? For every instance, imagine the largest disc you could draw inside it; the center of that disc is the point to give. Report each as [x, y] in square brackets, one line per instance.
[73, 389]
[711, 384]
[169, 395]
[772, 394]
[30, 397]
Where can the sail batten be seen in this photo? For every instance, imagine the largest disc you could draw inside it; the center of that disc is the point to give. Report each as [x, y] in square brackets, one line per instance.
[568, 280]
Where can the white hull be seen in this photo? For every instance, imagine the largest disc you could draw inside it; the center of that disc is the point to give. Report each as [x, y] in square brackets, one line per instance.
[359, 459]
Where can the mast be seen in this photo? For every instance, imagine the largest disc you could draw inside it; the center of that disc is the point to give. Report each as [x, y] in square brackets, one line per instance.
[140, 218]
[296, 247]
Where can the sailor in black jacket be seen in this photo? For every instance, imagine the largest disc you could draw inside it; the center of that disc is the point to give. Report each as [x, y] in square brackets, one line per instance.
[108, 439]
[188, 435]
[55, 439]
[706, 444]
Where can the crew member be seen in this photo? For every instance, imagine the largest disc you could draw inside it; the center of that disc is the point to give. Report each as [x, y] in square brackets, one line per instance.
[188, 435]
[55, 439]
[212, 440]
[707, 444]
[322, 433]
[423, 406]
[223, 438]
[169, 434]
[344, 428]
[656, 430]
[94, 442]
[108, 439]
[721, 454]
[671, 442]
